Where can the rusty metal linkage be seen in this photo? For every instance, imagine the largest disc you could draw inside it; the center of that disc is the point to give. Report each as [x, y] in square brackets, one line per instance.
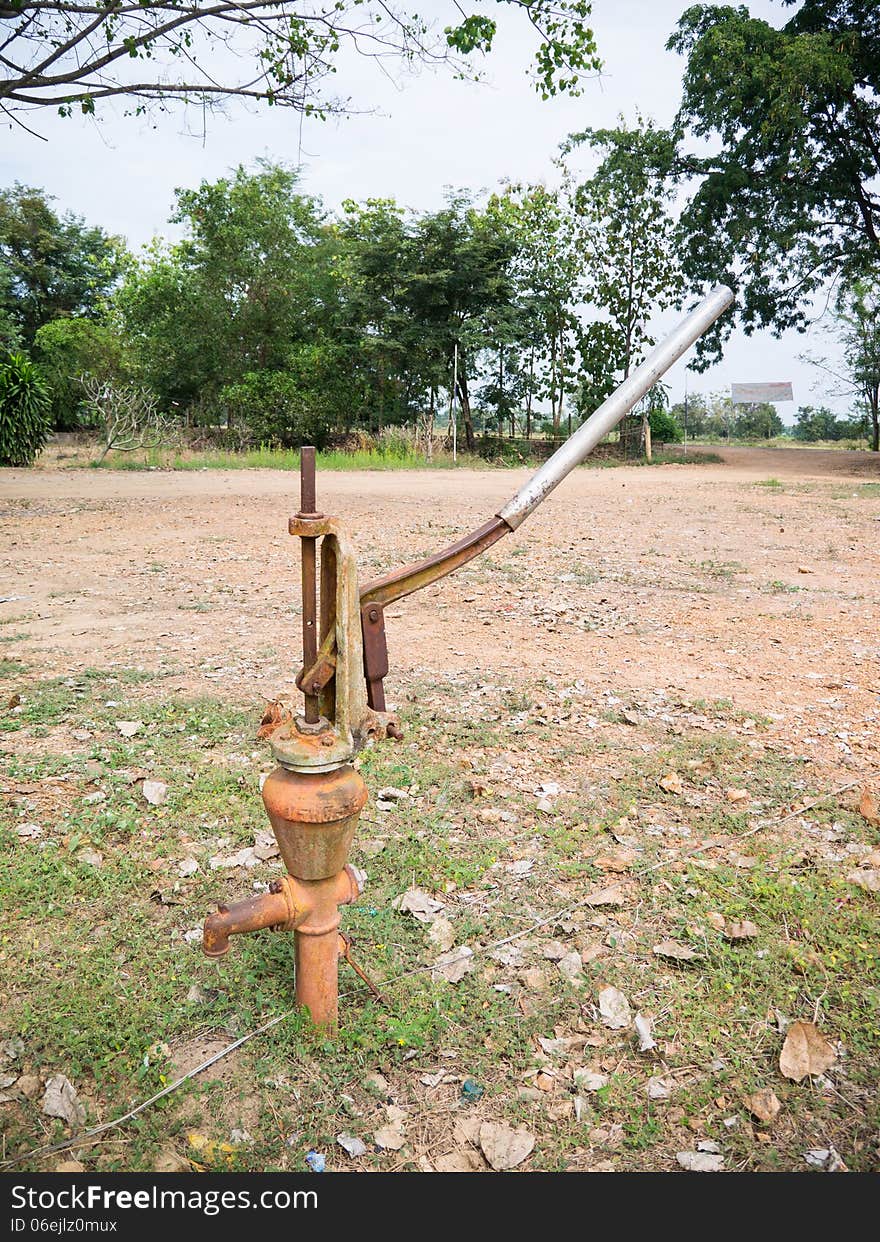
[315, 795]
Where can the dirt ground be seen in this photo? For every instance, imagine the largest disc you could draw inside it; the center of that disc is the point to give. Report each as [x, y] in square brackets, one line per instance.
[660, 664]
[756, 580]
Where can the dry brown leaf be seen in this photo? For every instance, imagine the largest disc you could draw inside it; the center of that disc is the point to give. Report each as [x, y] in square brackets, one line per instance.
[716, 920]
[276, 714]
[504, 1147]
[868, 808]
[763, 1104]
[391, 1137]
[805, 1051]
[61, 1100]
[677, 952]
[736, 795]
[619, 861]
[743, 930]
[463, 1160]
[670, 783]
[454, 965]
[612, 896]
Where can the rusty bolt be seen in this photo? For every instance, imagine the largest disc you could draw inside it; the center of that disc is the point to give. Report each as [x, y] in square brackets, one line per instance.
[327, 739]
[373, 614]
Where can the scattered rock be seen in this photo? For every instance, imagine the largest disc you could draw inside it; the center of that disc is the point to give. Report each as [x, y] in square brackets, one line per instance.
[614, 1009]
[828, 1159]
[155, 792]
[128, 728]
[60, 1100]
[700, 1161]
[763, 1104]
[571, 967]
[671, 783]
[351, 1144]
[643, 1030]
[30, 1086]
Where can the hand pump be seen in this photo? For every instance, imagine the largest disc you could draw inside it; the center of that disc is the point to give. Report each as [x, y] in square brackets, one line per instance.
[314, 797]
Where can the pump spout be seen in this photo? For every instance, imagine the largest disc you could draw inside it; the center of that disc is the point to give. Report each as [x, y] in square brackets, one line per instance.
[277, 908]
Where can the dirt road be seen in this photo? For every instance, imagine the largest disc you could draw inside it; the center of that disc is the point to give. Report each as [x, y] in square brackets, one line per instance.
[756, 581]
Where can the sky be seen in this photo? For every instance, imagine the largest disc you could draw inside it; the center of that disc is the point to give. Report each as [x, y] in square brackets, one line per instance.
[417, 136]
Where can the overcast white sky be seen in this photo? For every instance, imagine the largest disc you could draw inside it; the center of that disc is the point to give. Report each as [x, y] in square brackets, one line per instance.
[429, 132]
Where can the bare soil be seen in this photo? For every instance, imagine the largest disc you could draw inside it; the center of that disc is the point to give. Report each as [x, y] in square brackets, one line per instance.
[756, 581]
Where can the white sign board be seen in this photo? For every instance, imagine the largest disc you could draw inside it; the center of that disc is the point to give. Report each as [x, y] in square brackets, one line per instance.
[746, 394]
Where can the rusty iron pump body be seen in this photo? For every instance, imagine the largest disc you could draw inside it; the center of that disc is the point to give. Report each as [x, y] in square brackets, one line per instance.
[315, 796]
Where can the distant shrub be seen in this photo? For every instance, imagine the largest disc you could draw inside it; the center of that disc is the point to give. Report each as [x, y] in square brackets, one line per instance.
[664, 428]
[70, 351]
[24, 410]
[275, 410]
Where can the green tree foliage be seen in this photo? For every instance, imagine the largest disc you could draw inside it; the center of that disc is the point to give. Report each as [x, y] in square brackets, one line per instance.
[548, 269]
[625, 241]
[786, 197]
[247, 283]
[664, 427]
[51, 266]
[24, 410]
[858, 328]
[276, 410]
[70, 350]
[756, 421]
[72, 55]
[819, 423]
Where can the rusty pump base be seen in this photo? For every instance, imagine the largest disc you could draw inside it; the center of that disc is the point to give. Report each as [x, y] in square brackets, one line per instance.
[315, 796]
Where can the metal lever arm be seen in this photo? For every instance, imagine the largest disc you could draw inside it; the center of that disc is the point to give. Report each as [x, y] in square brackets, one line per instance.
[381, 591]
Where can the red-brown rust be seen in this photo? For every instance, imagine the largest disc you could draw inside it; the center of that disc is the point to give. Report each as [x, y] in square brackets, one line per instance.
[277, 908]
[314, 816]
[317, 945]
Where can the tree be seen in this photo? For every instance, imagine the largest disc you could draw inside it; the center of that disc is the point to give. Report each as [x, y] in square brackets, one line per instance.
[548, 269]
[68, 351]
[787, 199]
[756, 420]
[858, 318]
[74, 54]
[812, 424]
[626, 244]
[248, 282]
[856, 327]
[460, 281]
[51, 266]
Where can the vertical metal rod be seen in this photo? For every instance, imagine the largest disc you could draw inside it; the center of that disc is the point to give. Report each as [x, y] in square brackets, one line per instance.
[309, 577]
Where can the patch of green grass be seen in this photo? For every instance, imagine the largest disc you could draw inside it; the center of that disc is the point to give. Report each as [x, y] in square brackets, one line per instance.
[12, 668]
[720, 569]
[96, 971]
[773, 484]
